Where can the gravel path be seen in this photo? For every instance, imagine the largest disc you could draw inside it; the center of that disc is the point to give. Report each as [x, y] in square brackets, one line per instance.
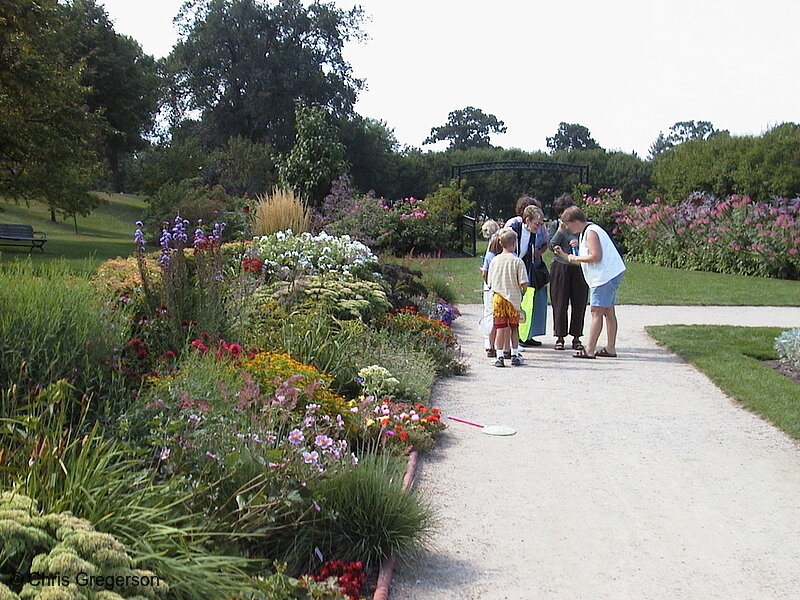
[629, 478]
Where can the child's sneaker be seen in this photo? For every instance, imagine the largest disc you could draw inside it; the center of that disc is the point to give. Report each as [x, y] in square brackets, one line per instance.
[506, 353]
[491, 353]
[499, 362]
[516, 360]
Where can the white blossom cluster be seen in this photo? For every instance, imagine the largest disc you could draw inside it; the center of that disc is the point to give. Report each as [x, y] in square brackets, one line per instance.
[286, 254]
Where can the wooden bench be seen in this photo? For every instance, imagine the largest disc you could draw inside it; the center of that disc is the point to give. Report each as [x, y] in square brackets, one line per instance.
[22, 235]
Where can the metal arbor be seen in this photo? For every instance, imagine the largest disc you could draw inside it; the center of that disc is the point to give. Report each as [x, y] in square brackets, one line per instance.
[467, 224]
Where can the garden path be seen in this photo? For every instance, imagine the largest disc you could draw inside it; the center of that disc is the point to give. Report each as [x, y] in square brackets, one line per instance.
[629, 478]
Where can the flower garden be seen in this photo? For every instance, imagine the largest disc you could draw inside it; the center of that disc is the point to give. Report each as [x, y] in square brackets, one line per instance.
[218, 419]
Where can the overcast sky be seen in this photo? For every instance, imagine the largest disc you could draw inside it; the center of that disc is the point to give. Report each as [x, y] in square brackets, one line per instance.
[626, 69]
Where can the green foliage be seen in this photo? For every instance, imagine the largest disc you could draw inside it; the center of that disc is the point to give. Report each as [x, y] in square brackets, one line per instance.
[122, 80]
[190, 199]
[343, 298]
[430, 336]
[54, 326]
[787, 345]
[62, 548]
[77, 470]
[242, 167]
[447, 205]
[413, 368]
[467, 128]
[285, 51]
[369, 148]
[680, 132]
[167, 163]
[571, 136]
[367, 516]
[314, 338]
[279, 586]
[45, 132]
[760, 167]
[316, 159]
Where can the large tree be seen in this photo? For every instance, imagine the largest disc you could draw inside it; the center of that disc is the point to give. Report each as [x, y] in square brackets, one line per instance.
[681, 132]
[467, 128]
[571, 136]
[45, 130]
[245, 63]
[122, 80]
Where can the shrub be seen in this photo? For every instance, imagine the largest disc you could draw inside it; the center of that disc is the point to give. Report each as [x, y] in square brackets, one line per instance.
[279, 211]
[311, 337]
[430, 336]
[367, 516]
[280, 586]
[787, 346]
[62, 549]
[345, 212]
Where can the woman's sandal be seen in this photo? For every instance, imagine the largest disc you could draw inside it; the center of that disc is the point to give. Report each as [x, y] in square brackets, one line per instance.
[576, 345]
[605, 353]
[559, 345]
[582, 354]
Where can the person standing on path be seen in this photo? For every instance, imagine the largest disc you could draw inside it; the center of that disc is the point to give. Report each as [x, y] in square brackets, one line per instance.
[532, 236]
[602, 268]
[508, 280]
[567, 284]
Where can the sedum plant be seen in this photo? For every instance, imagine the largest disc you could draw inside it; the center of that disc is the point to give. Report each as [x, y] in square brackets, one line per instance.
[58, 555]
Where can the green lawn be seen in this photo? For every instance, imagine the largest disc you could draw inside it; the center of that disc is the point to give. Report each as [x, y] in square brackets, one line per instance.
[643, 284]
[106, 233]
[732, 358]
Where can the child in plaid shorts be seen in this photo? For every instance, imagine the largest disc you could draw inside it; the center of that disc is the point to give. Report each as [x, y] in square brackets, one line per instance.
[508, 279]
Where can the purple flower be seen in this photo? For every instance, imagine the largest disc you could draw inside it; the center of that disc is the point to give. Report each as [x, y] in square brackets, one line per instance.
[323, 442]
[310, 458]
[296, 437]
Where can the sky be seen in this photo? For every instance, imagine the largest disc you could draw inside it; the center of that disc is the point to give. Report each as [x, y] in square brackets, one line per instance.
[625, 69]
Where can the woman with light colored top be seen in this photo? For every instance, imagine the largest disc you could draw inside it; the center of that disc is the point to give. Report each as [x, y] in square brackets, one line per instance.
[602, 268]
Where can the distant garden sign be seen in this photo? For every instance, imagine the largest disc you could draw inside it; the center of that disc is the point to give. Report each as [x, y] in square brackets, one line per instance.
[466, 225]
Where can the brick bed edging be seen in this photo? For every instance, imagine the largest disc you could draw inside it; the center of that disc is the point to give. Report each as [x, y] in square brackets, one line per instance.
[387, 568]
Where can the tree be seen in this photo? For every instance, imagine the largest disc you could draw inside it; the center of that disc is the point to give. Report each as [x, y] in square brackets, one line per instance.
[122, 80]
[244, 64]
[681, 132]
[369, 146]
[467, 128]
[316, 158]
[571, 136]
[45, 132]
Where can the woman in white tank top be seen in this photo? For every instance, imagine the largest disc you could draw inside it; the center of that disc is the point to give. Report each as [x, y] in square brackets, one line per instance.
[602, 268]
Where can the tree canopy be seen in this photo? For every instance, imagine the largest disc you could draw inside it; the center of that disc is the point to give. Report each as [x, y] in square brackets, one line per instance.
[467, 128]
[245, 63]
[45, 130]
[571, 136]
[681, 132]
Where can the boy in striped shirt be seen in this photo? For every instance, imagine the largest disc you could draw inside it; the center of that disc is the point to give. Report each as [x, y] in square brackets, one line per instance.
[508, 279]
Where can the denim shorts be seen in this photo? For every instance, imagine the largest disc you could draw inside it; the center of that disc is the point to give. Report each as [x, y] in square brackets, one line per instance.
[605, 295]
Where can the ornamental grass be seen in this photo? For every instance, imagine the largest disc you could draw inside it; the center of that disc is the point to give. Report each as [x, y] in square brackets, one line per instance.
[278, 211]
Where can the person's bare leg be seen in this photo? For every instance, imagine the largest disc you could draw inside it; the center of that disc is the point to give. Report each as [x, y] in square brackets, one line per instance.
[503, 340]
[493, 338]
[595, 328]
[611, 329]
[514, 337]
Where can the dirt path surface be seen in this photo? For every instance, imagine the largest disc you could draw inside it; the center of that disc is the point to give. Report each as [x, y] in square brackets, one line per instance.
[629, 478]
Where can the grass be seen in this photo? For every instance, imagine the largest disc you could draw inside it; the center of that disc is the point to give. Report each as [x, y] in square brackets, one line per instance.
[643, 284]
[106, 233]
[732, 357]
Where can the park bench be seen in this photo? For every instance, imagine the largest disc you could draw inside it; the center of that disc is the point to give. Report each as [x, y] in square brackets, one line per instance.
[21, 235]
